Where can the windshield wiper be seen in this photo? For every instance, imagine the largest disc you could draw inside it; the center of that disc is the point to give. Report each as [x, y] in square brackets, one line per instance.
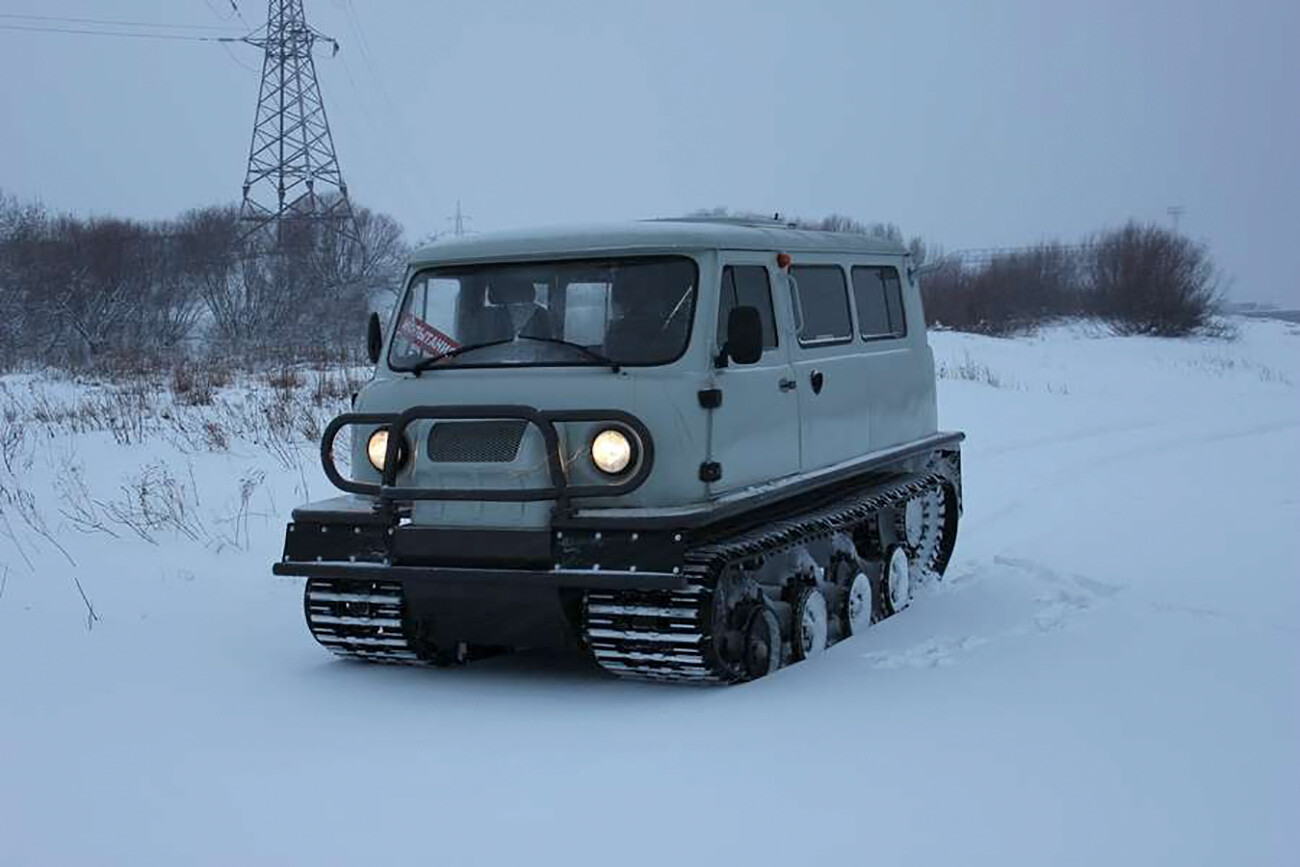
[421, 366]
[585, 350]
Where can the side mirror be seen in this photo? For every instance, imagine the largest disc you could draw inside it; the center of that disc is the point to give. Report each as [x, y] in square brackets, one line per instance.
[744, 335]
[375, 338]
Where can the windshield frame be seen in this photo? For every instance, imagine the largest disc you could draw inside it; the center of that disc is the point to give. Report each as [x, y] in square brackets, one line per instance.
[581, 360]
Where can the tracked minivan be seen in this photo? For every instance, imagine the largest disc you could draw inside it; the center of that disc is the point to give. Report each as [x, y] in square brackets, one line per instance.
[696, 450]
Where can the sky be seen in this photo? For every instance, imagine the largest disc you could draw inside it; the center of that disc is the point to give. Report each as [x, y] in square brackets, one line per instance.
[980, 124]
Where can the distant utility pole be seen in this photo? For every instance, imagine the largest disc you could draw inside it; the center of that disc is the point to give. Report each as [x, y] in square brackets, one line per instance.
[1175, 213]
[293, 173]
[458, 221]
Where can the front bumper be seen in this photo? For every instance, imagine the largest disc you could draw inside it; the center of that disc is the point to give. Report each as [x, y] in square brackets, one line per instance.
[347, 538]
[477, 587]
[475, 577]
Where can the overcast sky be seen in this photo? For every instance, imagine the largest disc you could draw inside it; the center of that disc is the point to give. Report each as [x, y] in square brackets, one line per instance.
[973, 124]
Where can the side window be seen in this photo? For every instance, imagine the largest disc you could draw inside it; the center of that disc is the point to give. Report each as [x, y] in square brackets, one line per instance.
[878, 293]
[747, 286]
[822, 303]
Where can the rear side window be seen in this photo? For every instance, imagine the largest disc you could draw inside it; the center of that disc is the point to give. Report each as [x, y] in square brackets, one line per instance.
[878, 293]
[747, 286]
[823, 304]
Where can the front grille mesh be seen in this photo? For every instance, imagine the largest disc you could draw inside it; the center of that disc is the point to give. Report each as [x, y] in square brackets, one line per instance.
[489, 442]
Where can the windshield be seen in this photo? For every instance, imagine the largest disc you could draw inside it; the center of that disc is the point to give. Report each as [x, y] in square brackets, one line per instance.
[591, 312]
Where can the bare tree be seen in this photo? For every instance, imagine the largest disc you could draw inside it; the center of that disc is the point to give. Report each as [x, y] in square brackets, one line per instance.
[86, 291]
[1010, 293]
[1145, 279]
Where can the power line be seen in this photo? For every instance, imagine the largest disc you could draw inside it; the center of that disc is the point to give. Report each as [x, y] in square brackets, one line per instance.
[241, 64]
[235, 6]
[398, 117]
[217, 12]
[356, 24]
[115, 23]
[123, 33]
[234, 58]
[378, 138]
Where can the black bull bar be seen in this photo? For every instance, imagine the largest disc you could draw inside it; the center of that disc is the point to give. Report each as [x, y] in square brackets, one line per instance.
[559, 488]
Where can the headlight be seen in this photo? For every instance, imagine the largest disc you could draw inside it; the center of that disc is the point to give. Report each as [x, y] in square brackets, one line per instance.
[612, 452]
[377, 449]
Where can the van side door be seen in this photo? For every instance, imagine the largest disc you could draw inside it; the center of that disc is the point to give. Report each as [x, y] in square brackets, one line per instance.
[827, 363]
[755, 431]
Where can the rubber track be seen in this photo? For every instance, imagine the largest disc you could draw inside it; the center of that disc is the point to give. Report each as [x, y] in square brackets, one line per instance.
[361, 620]
[643, 635]
[668, 636]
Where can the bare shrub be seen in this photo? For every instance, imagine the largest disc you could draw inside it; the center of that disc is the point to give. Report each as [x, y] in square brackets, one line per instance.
[1009, 294]
[333, 385]
[196, 383]
[126, 298]
[281, 433]
[220, 374]
[970, 370]
[215, 436]
[13, 437]
[285, 378]
[240, 536]
[79, 507]
[189, 386]
[127, 414]
[309, 425]
[1143, 279]
[156, 500]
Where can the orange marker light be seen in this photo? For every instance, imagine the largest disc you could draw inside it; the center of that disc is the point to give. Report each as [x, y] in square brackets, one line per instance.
[783, 260]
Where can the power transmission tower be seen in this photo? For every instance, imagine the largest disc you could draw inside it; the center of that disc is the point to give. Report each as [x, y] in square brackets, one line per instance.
[458, 221]
[293, 172]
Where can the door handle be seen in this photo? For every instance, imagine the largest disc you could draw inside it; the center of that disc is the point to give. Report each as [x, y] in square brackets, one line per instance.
[817, 380]
[787, 384]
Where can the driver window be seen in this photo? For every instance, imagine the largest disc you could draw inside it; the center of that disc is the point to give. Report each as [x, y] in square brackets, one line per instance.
[747, 286]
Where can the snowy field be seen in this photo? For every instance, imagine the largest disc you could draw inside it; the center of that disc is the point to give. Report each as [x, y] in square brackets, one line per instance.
[1110, 673]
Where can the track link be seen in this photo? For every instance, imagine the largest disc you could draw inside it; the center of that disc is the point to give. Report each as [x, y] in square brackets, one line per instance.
[671, 635]
[651, 635]
[361, 620]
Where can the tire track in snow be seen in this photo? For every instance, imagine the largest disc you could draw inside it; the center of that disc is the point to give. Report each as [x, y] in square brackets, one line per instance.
[1058, 599]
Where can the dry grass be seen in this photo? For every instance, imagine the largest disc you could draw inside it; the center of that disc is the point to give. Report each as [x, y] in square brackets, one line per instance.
[970, 370]
[196, 406]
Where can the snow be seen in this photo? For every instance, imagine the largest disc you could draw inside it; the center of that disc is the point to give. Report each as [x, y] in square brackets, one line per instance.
[1110, 673]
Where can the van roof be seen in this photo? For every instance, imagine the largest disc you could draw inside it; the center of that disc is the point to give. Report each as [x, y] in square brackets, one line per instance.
[681, 235]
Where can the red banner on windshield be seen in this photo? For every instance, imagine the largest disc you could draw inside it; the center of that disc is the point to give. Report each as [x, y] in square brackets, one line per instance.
[425, 336]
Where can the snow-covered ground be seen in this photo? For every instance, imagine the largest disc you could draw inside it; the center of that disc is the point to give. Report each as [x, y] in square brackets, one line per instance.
[1110, 673]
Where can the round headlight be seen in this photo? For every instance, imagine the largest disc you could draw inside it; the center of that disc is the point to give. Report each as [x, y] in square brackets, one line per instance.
[377, 449]
[611, 451]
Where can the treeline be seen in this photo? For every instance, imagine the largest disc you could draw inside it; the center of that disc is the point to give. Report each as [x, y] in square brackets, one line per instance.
[1139, 279]
[105, 291]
